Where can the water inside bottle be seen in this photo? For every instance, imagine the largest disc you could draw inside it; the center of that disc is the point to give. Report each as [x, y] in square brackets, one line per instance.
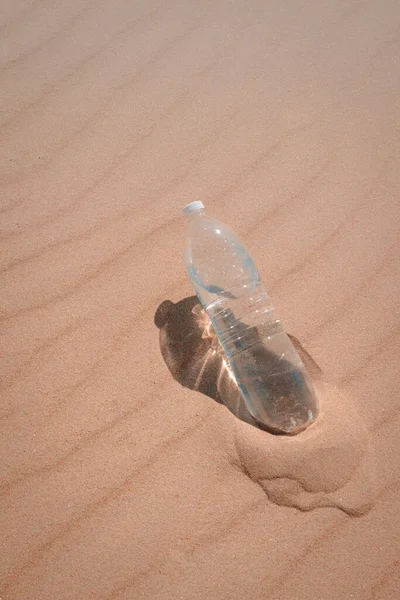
[269, 372]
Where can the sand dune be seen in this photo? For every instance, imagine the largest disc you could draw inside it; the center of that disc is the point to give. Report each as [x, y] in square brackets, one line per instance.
[130, 467]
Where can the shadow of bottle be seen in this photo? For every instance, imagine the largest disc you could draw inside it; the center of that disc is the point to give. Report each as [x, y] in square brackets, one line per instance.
[195, 358]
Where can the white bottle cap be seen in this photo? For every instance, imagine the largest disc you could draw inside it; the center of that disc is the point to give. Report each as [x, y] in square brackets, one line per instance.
[196, 205]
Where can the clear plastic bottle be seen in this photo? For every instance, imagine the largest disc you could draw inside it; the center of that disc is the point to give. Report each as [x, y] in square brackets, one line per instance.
[269, 372]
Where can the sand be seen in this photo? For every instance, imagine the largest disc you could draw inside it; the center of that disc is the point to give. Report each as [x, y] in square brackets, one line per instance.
[129, 465]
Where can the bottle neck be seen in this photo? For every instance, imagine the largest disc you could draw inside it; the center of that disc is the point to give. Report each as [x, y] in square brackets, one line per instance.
[196, 213]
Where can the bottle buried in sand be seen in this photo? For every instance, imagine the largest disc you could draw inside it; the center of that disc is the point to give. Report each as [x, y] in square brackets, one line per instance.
[272, 378]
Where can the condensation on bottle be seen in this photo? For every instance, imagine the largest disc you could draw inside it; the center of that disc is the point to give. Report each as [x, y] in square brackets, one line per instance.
[270, 374]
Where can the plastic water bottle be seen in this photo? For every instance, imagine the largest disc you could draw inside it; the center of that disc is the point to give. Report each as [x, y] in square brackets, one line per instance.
[272, 378]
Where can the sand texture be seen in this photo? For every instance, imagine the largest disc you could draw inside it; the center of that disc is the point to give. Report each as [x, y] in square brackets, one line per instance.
[129, 466]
